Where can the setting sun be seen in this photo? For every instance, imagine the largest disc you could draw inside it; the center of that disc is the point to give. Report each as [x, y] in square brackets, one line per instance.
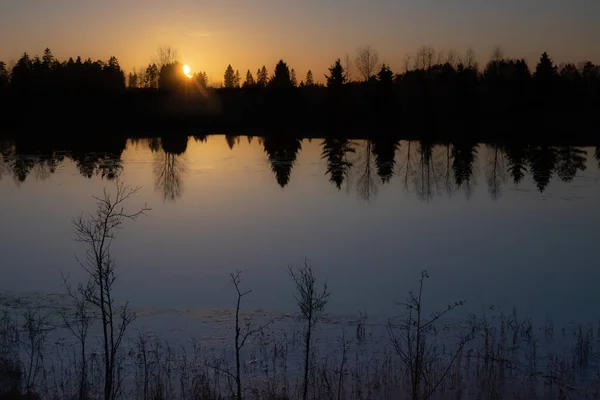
[187, 70]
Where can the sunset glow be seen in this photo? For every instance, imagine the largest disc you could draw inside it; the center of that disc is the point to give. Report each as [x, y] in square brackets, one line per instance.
[248, 36]
[187, 71]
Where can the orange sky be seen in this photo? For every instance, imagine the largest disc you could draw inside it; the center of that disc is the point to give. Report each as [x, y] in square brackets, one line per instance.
[310, 34]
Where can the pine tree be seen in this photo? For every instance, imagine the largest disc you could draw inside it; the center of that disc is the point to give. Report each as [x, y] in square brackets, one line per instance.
[385, 76]
[545, 76]
[294, 80]
[48, 59]
[309, 79]
[201, 78]
[337, 75]
[132, 80]
[545, 69]
[150, 80]
[249, 82]
[229, 78]
[237, 80]
[281, 76]
[262, 77]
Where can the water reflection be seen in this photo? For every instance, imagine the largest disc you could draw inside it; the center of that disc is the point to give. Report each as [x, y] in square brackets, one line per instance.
[464, 155]
[495, 171]
[168, 164]
[282, 153]
[41, 159]
[542, 160]
[517, 162]
[426, 177]
[169, 167]
[232, 140]
[366, 186]
[336, 152]
[384, 150]
[570, 160]
[423, 168]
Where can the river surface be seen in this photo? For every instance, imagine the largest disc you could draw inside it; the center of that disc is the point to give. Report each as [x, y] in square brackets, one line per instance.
[502, 226]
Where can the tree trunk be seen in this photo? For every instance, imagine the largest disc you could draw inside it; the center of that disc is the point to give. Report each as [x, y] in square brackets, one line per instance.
[238, 379]
[307, 358]
[83, 379]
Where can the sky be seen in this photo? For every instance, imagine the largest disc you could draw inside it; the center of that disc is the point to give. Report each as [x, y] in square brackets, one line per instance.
[307, 34]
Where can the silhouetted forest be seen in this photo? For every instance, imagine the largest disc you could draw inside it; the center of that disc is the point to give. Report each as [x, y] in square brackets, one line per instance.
[425, 168]
[436, 95]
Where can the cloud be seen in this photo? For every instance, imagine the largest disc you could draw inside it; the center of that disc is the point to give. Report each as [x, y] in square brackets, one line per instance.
[199, 34]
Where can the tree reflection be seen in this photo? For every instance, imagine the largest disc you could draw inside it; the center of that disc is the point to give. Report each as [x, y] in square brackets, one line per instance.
[21, 166]
[426, 177]
[99, 157]
[282, 153]
[366, 186]
[426, 168]
[106, 165]
[495, 172]
[336, 151]
[168, 169]
[174, 144]
[517, 161]
[46, 166]
[154, 144]
[407, 166]
[464, 154]
[569, 160]
[200, 138]
[3, 165]
[232, 140]
[384, 149]
[543, 161]
[169, 166]
[446, 169]
[20, 162]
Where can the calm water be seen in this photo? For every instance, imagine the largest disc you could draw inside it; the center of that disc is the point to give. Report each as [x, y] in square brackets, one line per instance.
[503, 226]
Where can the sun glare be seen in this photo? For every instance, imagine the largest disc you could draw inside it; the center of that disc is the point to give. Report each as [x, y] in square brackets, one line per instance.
[187, 70]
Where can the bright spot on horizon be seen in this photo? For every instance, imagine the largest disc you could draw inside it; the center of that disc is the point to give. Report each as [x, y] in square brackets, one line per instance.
[187, 70]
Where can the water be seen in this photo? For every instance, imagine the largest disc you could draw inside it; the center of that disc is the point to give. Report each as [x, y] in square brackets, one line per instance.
[368, 215]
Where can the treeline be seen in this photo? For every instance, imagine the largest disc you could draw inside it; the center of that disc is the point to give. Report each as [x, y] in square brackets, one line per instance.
[38, 76]
[431, 85]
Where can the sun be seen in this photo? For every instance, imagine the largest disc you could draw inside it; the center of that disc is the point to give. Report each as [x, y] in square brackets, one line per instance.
[187, 70]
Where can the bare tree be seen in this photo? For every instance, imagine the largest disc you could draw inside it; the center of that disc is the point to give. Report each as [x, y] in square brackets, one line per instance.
[470, 61]
[440, 57]
[165, 55]
[366, 61]
[497, 54]
[407, 60]
[36, 328]
[348, 67]
[410, 343]
[97, 231]
[311, 302]
[240, 339]
[425, 57]
[78, 321]
[452, 58]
